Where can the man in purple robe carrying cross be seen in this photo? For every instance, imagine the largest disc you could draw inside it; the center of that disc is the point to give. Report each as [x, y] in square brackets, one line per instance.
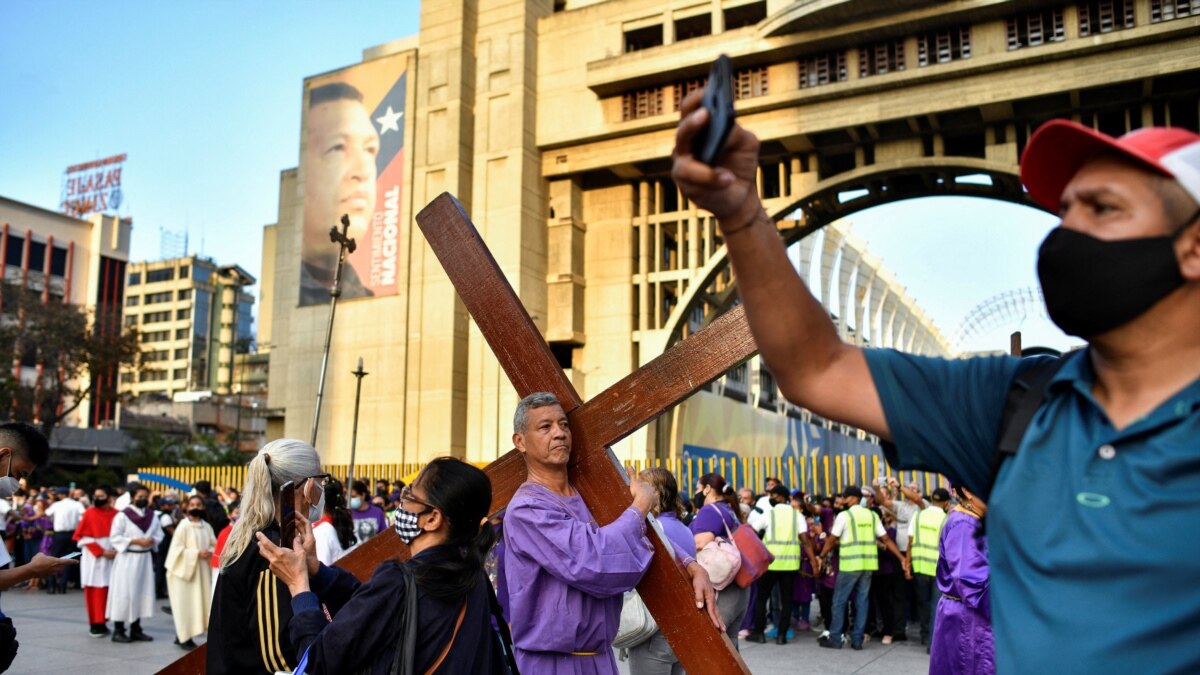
[562, 573]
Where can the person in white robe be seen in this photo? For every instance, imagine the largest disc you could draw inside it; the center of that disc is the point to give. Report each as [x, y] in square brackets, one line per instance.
[135, 534]
[189, 574]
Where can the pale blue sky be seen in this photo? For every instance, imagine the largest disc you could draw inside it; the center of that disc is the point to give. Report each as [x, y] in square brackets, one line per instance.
[205, 99]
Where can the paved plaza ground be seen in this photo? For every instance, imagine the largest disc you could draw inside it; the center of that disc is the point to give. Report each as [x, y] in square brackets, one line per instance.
[52, 630]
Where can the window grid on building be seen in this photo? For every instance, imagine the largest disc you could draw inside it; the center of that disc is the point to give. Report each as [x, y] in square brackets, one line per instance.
[153, 276]
[1166, 10]
[636, 105]
[881, 58]
[823, 68]
[155, 298]
[682, 89]
[944, 46]
[152, 376]
[1105, 16]
[156, 317]
[1036, 28]
[750, 82]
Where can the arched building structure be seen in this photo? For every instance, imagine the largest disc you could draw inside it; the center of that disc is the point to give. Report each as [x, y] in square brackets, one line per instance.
[553, 122]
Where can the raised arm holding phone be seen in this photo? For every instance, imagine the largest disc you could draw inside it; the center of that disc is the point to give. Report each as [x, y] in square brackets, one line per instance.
[1112, 446]
[832, 379]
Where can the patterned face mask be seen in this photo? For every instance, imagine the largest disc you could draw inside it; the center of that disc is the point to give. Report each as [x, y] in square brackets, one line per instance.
[407, 527]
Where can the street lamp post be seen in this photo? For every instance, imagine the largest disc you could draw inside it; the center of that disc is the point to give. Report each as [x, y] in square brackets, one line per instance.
[359, 374]
[346, 246]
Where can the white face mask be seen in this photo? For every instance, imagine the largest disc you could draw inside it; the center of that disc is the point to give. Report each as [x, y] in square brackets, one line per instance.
[315, 511]
[8, 484]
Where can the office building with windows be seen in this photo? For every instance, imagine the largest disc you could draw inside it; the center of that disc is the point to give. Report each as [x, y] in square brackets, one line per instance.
[192, 316]
[80, 261]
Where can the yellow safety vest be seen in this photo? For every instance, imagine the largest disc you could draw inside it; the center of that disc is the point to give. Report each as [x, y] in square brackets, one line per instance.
[856, 547]
[927, 532]
[783, 539]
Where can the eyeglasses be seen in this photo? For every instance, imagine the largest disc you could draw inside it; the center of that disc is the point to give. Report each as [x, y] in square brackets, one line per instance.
[322, 479]
[406, 495]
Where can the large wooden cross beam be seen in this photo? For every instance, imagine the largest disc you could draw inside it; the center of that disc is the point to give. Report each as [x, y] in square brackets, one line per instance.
[597, 424]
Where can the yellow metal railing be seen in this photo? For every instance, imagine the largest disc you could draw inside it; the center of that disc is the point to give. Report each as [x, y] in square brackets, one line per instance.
[181, 478]
[817, 475]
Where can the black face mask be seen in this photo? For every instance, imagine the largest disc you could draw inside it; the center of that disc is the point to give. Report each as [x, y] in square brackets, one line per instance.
[100, 501]
[196, 512]
[1092, 285]
[141, 503]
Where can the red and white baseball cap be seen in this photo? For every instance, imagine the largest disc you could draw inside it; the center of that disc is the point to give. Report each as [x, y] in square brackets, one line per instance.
[1059, 148]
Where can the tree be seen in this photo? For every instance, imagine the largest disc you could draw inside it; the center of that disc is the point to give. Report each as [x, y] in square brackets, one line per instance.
[74, 355]
[152, 448]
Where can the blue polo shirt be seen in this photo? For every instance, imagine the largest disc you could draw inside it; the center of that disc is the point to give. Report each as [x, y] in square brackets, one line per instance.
[1092, 532]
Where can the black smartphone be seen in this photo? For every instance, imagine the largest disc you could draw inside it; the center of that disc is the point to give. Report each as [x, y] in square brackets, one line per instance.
[718, 100]
[287, 514]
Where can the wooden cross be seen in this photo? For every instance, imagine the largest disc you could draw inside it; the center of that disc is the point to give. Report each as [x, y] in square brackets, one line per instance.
[595, 425]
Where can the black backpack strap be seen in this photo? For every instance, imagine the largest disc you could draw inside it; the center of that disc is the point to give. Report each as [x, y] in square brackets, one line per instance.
[1025, 396]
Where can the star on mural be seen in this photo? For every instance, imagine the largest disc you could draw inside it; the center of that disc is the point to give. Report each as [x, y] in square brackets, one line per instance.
[390, 121]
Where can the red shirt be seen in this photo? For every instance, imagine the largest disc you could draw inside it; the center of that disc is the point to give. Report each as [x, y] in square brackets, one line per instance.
[215, 560]
[96, 523]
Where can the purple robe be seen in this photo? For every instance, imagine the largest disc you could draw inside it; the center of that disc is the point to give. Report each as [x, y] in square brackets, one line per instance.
[564, 577]
[962, 639]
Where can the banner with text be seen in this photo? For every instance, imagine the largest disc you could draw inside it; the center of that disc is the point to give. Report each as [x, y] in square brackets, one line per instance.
[92, 187]
[352, 163]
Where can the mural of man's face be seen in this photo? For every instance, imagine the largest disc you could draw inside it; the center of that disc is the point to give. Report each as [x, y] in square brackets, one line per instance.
[339, 162]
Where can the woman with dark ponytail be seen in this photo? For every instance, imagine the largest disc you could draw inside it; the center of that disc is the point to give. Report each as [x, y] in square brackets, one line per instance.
[441, 594]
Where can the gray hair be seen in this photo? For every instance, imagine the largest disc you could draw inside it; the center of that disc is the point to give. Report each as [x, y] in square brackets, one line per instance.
[538, 399]
[276, 463]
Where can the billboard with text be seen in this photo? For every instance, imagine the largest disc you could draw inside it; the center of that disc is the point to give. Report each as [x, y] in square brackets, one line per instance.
[92, 187]
[352, 163]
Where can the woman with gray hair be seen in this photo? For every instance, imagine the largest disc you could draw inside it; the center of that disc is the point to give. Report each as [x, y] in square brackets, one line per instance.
[251, 608]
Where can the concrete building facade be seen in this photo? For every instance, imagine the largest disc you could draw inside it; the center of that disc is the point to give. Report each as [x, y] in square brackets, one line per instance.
[553, 122]
[191, 314]
[68, 260]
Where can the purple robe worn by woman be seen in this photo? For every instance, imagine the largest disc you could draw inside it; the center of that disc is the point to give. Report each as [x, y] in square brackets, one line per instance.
[565, 576]
[962, 640]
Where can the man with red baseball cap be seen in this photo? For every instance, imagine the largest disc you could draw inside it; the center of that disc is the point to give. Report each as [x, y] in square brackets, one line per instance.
[1089, 530]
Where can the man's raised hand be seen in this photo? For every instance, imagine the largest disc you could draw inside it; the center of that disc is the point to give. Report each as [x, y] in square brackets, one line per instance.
[726, 189]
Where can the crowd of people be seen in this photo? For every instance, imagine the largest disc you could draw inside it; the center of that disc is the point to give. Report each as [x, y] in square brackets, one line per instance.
[138, 546]
[861, 564]
[1106, 439]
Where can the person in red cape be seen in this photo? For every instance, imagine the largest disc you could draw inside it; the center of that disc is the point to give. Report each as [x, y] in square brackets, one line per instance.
[92, 535]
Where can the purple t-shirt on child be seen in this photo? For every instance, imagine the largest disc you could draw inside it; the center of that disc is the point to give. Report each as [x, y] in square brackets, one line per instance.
[368, 522]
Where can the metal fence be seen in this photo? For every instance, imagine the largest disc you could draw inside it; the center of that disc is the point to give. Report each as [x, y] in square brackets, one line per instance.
[815, 475]
[182, 478]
